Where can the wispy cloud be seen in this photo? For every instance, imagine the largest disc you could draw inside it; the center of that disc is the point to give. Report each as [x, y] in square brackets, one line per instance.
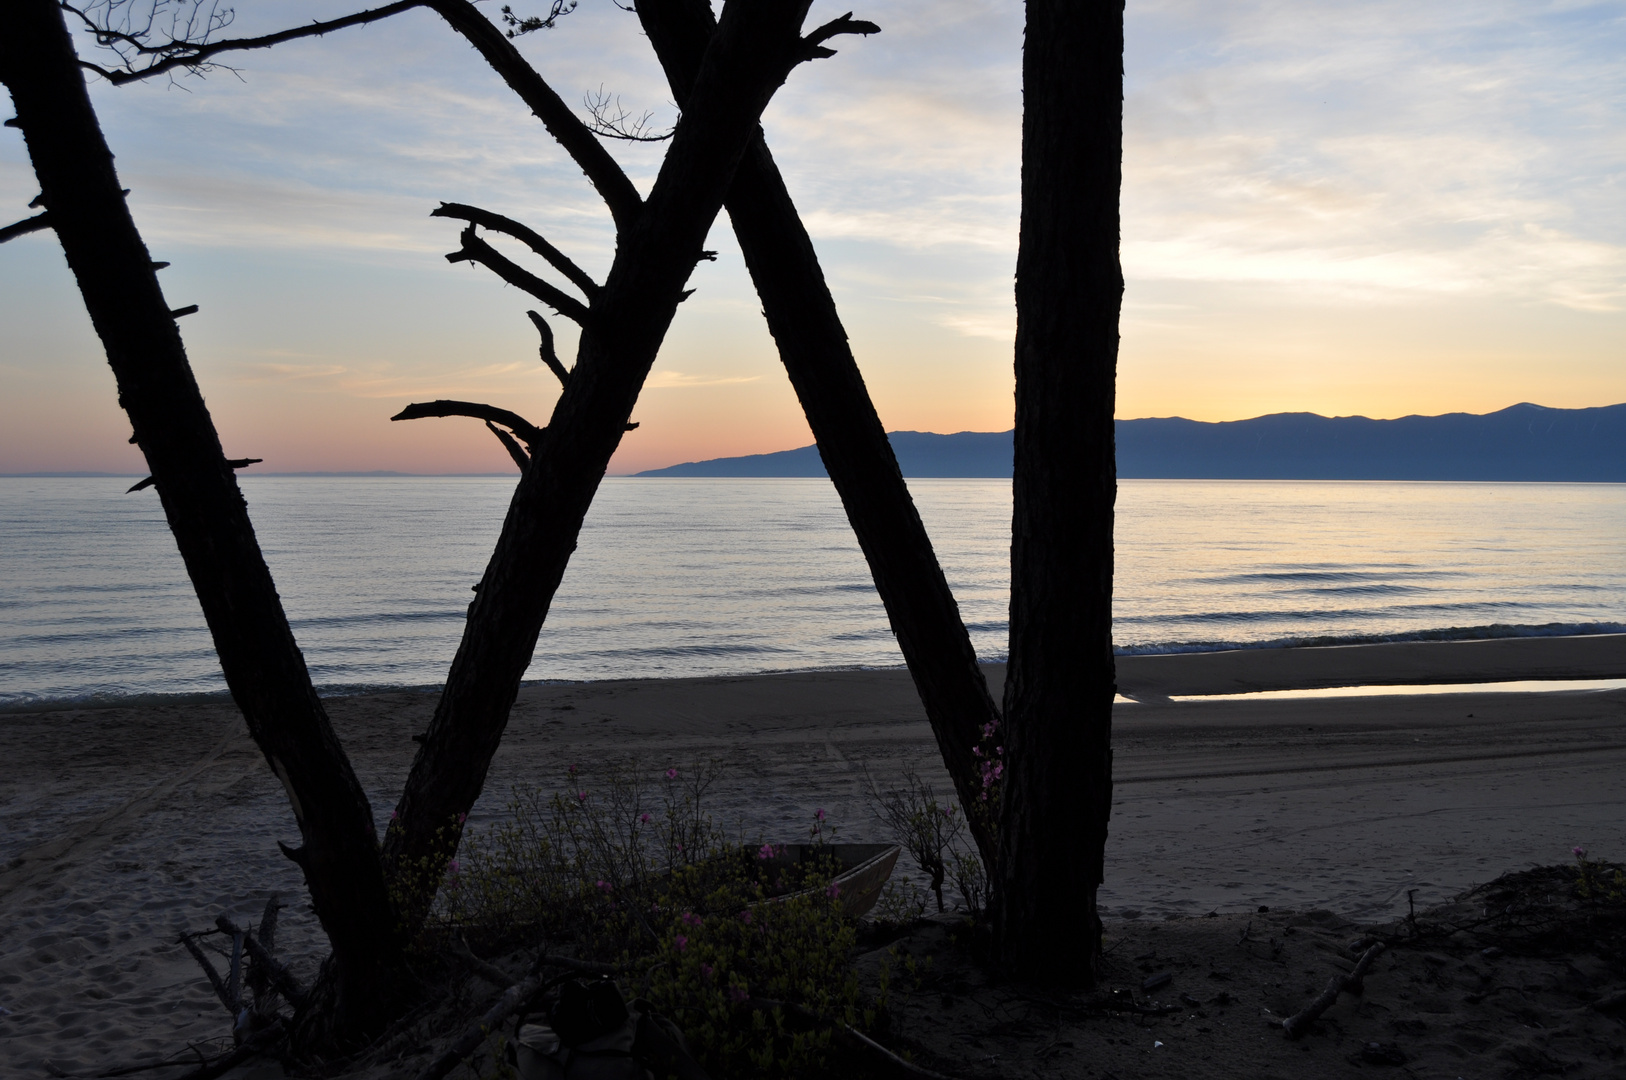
[678, 380]
[1358, 150]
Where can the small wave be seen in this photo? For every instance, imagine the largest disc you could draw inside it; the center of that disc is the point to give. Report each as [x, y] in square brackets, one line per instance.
[25, 702]
[1272, 577]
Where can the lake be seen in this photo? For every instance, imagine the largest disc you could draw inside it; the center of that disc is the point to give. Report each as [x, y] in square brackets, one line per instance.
[678, 577]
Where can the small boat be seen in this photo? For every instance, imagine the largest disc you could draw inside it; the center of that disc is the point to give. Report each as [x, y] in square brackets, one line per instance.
[862, 871]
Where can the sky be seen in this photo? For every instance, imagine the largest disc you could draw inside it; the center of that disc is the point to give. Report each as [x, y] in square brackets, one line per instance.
[1375, 208]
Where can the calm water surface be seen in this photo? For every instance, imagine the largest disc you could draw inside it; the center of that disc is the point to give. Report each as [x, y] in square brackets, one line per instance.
[708, 576]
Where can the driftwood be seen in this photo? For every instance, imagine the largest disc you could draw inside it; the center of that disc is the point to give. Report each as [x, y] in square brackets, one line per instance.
[516, 996]
[1354, 982]
[276, 976]
[219, 984]
[848, 1036]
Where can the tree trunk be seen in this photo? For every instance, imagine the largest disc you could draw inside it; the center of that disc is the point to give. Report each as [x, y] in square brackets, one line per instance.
[1059, 682]
[206, 512]
[756, 45]
[813, 345]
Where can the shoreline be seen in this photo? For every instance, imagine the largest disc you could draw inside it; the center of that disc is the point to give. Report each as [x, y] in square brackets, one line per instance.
[1142, 676]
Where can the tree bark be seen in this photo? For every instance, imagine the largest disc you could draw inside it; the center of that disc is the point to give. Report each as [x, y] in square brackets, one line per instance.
[813, 346]
[756, 45]
[206, 512]
[1059, 681]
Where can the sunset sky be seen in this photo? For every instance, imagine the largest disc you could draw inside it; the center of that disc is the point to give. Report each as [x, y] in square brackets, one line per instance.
[1377, 208]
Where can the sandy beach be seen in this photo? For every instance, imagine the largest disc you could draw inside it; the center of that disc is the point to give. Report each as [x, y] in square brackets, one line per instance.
[126, 825]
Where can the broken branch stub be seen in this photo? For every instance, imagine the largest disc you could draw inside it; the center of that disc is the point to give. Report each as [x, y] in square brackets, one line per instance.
[235, 463]
[26, 226]
[549, 355]
[511, 444]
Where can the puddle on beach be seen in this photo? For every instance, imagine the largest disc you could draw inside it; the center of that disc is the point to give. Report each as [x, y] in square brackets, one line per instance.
[1525, 686]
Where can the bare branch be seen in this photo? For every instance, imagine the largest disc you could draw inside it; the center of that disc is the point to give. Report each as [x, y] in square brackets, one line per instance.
[26, 226]
[563, 124]
[613, 185]
[549, 357]
[477, 250]
[511, 444]
[524, 233]
[619, 123]
[183, 52]
[846, 24]
[512, 420]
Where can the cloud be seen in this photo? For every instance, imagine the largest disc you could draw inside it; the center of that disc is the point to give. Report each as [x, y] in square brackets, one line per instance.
[677, 380]
[1379, 150]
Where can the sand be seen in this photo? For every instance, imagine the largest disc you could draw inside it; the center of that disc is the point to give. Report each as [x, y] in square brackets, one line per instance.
[124, 826]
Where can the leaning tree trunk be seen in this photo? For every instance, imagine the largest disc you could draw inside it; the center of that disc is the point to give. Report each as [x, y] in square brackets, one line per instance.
[756, 45]
[1059, 683]
[206, 512]
[813, 345]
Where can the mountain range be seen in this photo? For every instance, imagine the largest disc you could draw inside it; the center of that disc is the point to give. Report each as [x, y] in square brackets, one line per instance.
[1521, 443]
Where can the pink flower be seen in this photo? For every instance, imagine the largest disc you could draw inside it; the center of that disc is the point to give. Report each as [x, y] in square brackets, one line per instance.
[690, 918]
[454, 866]
[833, 891]
[745, 917]
[706, 970]
[395, 815]
[818, 815]
[461, 818]
[573, 770]
[681, 942]
[644, 818]
[605, 885]
[581, 796]
[1580, 852]
[765, 851]
[737, 993]
[671, 774]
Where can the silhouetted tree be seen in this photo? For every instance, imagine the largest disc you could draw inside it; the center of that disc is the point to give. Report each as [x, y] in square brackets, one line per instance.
[262, 664]
[1059, 682]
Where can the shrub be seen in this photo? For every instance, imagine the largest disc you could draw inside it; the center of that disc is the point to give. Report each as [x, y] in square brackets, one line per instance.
[631, 870]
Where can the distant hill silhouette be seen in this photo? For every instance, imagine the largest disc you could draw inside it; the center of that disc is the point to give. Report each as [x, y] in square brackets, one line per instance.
[1524, 442]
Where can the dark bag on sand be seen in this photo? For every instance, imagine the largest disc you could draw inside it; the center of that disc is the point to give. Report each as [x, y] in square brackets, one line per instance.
[587, 1010]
